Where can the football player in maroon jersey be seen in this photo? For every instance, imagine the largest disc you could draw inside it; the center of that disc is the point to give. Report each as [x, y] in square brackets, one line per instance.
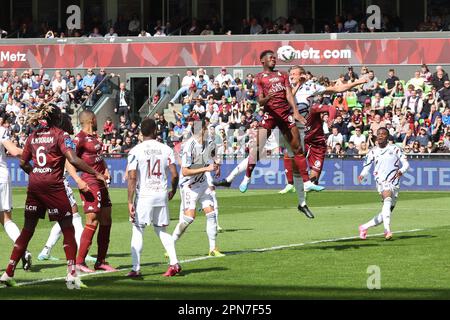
[48, 148]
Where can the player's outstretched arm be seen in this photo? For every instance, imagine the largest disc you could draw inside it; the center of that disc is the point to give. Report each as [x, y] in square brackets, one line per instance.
[81, 165]
[11, 148]
[345, 87]
[192, 172]
[174, 180]
[291, 100]
[367, 165]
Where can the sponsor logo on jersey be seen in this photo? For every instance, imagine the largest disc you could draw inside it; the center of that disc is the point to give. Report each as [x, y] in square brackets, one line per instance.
[42, 170]
[30, 208]
[53, 211]
[275, 79]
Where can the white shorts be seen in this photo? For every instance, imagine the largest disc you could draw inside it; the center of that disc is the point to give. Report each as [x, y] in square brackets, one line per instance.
[69, 193]
[388, 186]
[5, 196]
[191, 196]
[147, 215]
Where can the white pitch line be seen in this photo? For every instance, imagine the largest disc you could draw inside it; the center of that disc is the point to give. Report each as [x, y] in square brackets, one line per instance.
[20, 284]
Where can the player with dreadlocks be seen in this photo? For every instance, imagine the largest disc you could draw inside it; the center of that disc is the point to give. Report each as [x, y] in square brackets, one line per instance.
[48, 147]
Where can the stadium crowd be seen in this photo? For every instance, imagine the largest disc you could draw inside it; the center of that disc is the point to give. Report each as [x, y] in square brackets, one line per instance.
[416, 111]
[349, 22]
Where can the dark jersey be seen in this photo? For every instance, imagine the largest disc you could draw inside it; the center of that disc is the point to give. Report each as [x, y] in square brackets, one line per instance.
[273, 82]
[89, 149]
[314, 125]
[47, 148]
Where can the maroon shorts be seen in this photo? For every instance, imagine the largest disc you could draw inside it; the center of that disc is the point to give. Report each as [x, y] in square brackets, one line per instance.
[281, 118]
[56, 202]
[315, 155]
[95, 199]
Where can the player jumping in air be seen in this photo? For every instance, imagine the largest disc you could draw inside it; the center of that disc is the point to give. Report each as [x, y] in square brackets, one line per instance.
[55, 232]
[11, 228]
[386, 159]
[48, 148]
[197, 158]
[314, 140]
[275, 95]
[95, 195]
[148, 166]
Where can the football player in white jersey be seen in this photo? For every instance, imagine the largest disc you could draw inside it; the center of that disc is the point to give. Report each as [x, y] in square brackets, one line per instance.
[148, 166]
[55, 232]
[6, 193]
[386, 159]
[197, 158]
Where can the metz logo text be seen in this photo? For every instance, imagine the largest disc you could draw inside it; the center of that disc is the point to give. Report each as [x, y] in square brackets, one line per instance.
[12, 56]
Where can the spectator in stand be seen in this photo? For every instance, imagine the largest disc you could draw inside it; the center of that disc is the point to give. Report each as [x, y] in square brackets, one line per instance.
[426, 74]
[377, 104]
[340, 103]
[352, 151]
[127, 145]
[123, 106]
[350, 24]
[439, 79]
[134, 26]
[437, 129]
[446, 116]
[88, 79]
[335, 137]
[444, 93]
[446, 143]
[418, 82]
[186, 83]
[207, 31]
[350, 74]
[59, 81]
[121, 26]
[422, 138]
[144, 33]
[391, 81]
[111, 33]
[223, 77]
[108, 129]
[95, 33]
[358, 138]
[255, 27]
[159, 33]
[413, 103]
[194, 29]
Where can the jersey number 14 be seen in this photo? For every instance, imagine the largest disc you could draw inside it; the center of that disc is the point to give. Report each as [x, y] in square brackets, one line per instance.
[155, 168]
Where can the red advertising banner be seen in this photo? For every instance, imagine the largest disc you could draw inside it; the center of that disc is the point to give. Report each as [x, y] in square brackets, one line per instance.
[225, 53]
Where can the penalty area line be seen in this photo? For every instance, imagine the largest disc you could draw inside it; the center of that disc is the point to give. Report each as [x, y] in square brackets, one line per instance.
[84, 275]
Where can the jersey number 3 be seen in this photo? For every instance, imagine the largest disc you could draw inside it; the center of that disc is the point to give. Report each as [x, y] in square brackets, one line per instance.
[156, 168]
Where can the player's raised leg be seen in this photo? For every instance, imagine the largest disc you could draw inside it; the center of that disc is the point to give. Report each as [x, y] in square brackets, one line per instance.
[240, 168]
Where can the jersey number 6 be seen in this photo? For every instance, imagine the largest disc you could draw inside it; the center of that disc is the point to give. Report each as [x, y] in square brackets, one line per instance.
[41, 157]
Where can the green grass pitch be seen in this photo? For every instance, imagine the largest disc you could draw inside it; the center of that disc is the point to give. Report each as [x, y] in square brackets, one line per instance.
[414, 265]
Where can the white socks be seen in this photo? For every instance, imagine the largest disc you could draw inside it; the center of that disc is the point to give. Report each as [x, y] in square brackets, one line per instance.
[386, 212]
[216, 205]
[378, 219]
[137, 240]
[241, 167]
[12, 230]
[78, 226]
[383, 217]
[181, 227]
[168, 244]
[55, 233]
[298, 183]
[211, 229]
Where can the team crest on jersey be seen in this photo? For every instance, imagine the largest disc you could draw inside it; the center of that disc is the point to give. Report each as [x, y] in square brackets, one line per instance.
[98, 147]
[317, 163]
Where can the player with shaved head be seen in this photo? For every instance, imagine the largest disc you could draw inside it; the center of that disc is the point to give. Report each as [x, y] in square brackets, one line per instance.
[94, 194]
